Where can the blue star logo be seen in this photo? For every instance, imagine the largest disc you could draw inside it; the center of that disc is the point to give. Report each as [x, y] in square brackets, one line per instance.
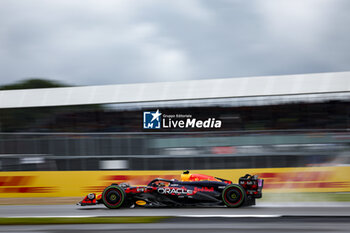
[151, 120]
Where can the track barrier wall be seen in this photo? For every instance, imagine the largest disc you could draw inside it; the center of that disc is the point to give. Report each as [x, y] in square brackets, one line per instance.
[79, 183]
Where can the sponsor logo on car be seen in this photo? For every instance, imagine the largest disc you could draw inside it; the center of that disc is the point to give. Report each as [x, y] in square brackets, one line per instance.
[177, 191]
[204, 189]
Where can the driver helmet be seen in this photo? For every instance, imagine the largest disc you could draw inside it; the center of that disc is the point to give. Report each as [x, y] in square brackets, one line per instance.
[185, 176]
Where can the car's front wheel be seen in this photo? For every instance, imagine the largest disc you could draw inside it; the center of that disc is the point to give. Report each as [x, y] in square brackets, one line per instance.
[113, 197]
[233, 195]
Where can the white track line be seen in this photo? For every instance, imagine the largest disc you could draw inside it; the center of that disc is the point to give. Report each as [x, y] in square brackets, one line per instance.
[185, 215]
[302, 204]
[231, 216]
[73, 216]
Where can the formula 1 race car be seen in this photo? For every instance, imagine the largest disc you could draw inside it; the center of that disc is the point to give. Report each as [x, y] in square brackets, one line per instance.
[192, 190]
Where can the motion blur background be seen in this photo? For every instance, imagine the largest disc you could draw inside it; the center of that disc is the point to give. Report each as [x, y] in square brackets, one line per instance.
[306, 125]
[299, 122]
[178, 57]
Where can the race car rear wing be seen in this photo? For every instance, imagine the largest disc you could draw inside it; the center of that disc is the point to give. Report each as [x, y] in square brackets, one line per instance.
[252, 184]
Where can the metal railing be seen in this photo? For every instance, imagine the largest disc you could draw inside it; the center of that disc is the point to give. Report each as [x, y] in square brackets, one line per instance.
[172, 150]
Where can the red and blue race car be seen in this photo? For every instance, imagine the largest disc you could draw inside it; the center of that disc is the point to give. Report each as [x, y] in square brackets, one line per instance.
[191, 190]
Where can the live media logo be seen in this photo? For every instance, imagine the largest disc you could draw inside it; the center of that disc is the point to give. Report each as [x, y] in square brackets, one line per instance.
[152, 120]
[157, 120]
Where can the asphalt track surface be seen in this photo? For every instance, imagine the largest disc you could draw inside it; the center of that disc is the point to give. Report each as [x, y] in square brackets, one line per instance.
[197, 225]
[342, 209]
[309, 218]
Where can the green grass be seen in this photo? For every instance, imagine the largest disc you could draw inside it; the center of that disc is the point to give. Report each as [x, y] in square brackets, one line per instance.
[306, 197]
[78, 220]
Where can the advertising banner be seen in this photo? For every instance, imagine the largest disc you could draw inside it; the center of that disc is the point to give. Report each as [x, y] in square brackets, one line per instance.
[79, 183]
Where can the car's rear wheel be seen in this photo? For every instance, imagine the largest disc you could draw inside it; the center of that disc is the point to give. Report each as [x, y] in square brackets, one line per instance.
[113, 197]
[233, 195]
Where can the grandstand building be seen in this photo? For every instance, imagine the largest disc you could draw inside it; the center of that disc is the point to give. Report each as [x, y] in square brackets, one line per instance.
[270, 121]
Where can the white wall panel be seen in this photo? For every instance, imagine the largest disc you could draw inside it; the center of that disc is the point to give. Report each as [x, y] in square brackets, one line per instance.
[184, 91]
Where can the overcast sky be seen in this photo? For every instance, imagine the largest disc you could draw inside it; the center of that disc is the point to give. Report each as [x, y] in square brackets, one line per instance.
[94, 42]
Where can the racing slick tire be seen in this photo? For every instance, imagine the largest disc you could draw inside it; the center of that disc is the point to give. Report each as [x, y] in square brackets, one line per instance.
[113, 197]
[233, 195]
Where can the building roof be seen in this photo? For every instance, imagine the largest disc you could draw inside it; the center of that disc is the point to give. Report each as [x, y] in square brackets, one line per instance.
[229, 91]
